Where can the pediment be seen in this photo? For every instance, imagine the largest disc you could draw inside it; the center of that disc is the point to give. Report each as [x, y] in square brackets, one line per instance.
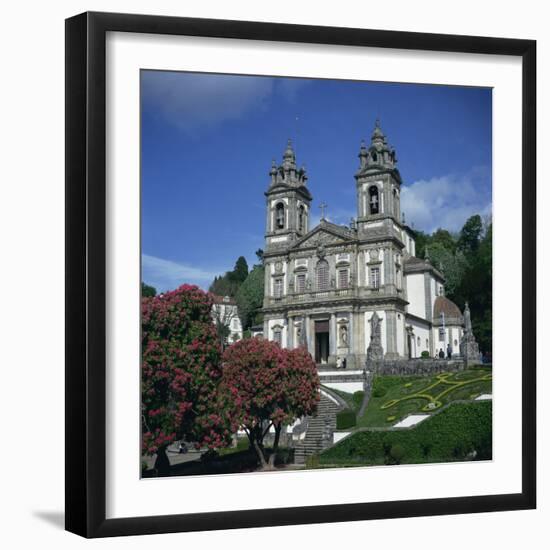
[321, 237]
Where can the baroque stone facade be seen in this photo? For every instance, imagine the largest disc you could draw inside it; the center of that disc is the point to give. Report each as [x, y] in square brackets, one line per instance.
[344, 290]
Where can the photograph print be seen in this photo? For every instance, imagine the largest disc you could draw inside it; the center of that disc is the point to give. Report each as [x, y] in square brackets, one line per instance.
[316, 261]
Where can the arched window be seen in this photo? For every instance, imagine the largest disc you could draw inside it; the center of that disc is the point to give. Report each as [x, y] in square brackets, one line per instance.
[301, 219]
[322, 275]
[396, 204]
[374, 157]
[374, 200]
[280, 216]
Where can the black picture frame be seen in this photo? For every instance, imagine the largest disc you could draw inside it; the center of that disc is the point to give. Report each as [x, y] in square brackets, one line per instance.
[86, 268]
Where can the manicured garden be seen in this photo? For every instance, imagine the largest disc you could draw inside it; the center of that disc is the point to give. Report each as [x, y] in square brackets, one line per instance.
[463, 431]
[396, 397]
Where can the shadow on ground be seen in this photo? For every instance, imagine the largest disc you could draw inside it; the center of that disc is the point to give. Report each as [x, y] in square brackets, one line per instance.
[57, 519]
[234, 463]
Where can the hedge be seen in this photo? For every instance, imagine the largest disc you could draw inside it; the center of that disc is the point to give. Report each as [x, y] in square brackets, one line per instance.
[451, 435]
[345, 419]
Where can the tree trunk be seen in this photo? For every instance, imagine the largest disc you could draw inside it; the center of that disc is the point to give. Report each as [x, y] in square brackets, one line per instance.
[162, 464]
[275, 445]
[260, 453]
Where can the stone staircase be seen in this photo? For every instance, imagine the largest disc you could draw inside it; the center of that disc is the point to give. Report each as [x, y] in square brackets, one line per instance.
[319, 431]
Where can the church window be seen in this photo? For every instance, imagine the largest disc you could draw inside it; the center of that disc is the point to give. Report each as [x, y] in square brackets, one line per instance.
[374, 277]
[278, 288]
[427, 343]
[442, 334]
[322, 275]
[418, 341]
[301, 219]
[280, 216]
[374, 156]
[374, 200]
[343, 278]
[278, 336]
[301, 283]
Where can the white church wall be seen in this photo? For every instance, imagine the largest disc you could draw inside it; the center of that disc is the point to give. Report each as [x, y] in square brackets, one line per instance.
[421, 334]
[415, 294]
[453, 334]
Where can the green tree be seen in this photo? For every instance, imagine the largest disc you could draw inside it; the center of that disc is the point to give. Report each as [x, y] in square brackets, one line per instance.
[240, 271]
[421, 240]
[476, 288]
[443, 238]
[260, 255]
[147, 291]
[229, 283]
[470, 235]
[250, 296]
[453, 265]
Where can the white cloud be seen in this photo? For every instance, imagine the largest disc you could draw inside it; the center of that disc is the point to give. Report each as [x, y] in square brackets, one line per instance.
[168, 275]
[447, 201]
[195, 102]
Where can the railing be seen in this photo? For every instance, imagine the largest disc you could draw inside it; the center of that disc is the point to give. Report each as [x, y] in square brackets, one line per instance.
[332, 294]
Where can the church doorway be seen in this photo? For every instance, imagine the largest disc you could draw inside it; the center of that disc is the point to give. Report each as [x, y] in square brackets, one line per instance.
[321, 342]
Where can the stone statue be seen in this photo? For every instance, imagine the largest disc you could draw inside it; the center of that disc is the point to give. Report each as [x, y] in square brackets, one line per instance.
[344, 335]
[375, 324]
[467, 318]
[375, 352]
[469, 349]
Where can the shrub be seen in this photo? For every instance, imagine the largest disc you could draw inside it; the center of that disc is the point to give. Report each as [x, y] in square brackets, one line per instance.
[345, 419]
[451, 435]
[397, 452]
[425, 354]
[312, 461]
[358, 399]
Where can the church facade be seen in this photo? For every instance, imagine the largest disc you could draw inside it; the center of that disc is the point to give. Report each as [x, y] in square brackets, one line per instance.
[327, 286]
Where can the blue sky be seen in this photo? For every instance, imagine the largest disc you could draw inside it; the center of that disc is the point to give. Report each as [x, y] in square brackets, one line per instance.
[208, 141]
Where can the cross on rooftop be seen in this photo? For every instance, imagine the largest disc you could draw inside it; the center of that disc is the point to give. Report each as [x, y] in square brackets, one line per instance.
[322, 206]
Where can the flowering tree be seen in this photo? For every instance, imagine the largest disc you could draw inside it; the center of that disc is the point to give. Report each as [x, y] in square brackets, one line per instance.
[181, 371]
[269, 387]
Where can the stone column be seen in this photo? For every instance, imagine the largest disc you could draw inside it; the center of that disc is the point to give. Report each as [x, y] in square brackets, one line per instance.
[290, 333]
[429, 308]
[388, 272]
[309, 335]
[391, 335]
[332, 335]
[351, 336]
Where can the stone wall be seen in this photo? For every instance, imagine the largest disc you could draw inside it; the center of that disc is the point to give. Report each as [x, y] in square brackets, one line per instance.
[415, 366]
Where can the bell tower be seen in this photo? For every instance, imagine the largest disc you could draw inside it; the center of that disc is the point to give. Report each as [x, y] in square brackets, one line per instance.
[378, 181]
[288, 201]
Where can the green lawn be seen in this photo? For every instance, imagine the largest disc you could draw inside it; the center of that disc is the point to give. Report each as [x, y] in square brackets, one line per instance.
[395, 397]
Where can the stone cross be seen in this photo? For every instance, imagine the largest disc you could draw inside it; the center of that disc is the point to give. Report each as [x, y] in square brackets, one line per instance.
[322, 206]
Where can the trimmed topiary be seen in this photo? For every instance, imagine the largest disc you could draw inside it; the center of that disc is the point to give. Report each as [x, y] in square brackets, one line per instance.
[345, 419]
